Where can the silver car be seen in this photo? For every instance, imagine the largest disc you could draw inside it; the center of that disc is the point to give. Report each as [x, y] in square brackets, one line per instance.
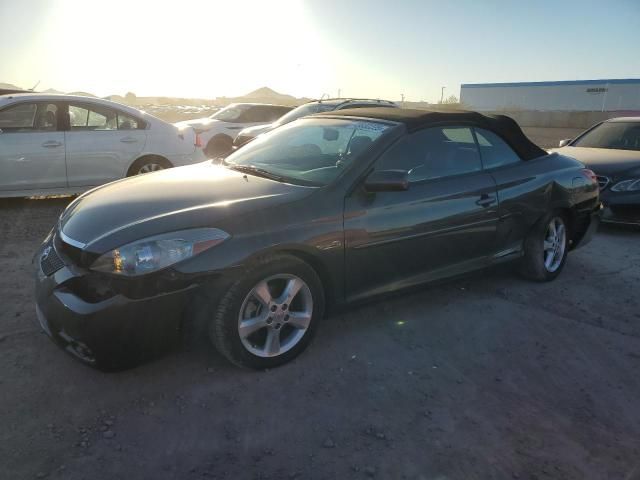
[57, 144]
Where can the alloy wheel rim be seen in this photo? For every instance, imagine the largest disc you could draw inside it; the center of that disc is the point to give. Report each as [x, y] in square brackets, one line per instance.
[150, 167]
[554, 244]
[275, 315]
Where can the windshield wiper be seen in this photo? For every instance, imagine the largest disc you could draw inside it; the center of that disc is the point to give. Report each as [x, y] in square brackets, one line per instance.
[257, 171]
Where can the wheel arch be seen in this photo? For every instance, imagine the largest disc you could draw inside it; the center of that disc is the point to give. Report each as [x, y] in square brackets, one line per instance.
[144, 157]
[219, 136]
[208, 148]
[570, 214]
[558, 199]
[311, 258]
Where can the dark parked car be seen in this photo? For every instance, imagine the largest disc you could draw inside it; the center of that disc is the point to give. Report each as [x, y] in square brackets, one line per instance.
[612, 150]
[328, 210]
[317, 106]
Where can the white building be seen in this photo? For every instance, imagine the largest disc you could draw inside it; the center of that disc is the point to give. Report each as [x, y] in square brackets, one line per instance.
[573, 95]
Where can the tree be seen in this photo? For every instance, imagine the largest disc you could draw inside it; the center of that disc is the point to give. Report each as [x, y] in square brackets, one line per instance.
[450, 100]
[130, 98]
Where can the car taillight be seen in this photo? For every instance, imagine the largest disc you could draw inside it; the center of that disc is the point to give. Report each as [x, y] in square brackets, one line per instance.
[590, 175]
[198, 140]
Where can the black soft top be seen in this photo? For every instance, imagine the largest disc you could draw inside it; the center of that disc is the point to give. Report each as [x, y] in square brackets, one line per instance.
[502, 125]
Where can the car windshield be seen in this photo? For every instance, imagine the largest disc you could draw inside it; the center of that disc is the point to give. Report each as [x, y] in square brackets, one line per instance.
[614, 135]
[303, 111]
[310, 151]
[228, 114]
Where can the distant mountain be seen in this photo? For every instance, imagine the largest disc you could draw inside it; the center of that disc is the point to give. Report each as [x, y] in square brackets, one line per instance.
[82, 94]
[9, 86]
[267, 95]
[261, 95]
[264, 92]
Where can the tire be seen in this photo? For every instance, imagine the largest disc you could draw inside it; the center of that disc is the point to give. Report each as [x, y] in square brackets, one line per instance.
[219, 146]
[266, 319]
[148, 164]
[544, 253]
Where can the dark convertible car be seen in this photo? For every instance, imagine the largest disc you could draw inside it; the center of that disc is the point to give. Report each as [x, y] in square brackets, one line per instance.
[327, 210]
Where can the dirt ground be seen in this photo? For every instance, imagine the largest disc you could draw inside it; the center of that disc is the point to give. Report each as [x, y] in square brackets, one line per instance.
[486, 377]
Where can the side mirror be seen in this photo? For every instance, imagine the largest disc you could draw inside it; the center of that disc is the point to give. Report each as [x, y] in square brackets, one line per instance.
[565, 142]
[387, 181]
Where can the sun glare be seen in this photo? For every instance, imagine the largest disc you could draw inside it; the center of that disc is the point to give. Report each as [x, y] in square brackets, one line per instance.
[188, 49]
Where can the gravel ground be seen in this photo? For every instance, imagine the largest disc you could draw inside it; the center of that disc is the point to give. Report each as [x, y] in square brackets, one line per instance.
[486, 377]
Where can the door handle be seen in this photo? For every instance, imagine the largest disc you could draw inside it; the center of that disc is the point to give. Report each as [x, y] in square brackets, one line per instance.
[485, 200]
[128, 140]
[51, 144]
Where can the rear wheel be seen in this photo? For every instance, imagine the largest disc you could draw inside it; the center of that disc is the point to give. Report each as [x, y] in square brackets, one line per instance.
[545, 248]
[148, 165]
[269, 316]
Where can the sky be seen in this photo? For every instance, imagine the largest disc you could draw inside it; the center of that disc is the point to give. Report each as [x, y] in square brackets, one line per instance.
[358, 48]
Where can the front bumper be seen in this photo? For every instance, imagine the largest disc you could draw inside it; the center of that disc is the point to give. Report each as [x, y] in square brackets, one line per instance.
[621, 215]
[107, 333]
[621, 208]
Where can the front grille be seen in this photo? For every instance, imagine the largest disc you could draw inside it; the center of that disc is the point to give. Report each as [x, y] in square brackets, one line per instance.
[50, 261]
[603, 182]
[68, 251]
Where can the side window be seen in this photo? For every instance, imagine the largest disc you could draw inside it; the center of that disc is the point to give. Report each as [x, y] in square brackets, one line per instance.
[250, 115]
[432, 153]
[92, 117]
[263, 114]
[125, 122]
[78, 117]
[29, 117]
[271, 114]
[494, 151]
[97, 121]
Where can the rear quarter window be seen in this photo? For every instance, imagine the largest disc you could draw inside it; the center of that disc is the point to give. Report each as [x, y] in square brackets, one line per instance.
[494, 150]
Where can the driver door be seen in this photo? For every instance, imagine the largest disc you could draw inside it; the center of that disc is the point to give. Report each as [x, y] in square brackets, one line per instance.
[445, 223]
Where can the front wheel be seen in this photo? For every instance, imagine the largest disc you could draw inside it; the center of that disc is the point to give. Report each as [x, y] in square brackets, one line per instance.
[269, 316]
[545, 248]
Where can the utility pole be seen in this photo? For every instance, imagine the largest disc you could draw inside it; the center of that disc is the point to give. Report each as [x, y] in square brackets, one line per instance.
[402, 97]
[442, 94]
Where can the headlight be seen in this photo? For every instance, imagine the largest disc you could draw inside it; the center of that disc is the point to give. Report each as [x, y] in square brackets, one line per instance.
[632, 185]
[158, 252]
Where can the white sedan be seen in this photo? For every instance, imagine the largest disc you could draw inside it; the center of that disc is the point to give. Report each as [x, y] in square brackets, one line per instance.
[61, 144]
[220, 129]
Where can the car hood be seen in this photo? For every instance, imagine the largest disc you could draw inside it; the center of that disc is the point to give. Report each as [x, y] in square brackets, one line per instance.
[603, 161]
[175, 199]
[201, 123]
[257, 130]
